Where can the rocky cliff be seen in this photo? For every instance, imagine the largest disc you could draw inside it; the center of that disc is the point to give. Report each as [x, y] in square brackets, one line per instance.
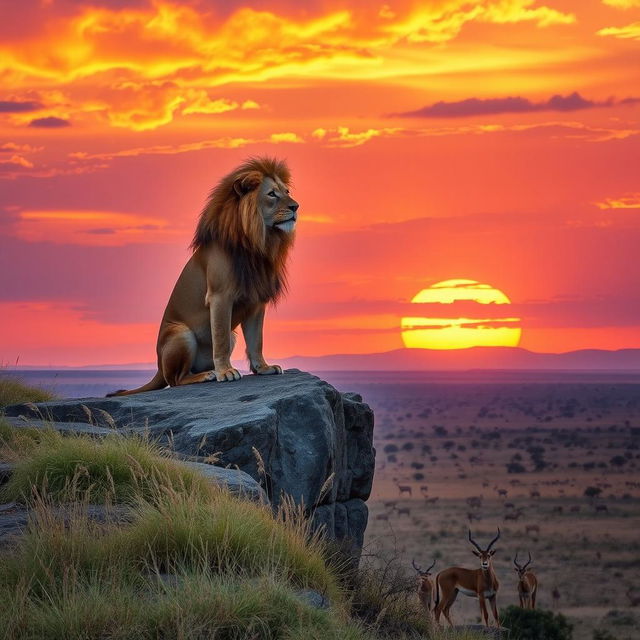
[314, 443]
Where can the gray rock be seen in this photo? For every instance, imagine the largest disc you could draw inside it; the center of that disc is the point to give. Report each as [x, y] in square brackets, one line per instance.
[238, 482]
[6, 469]
[311, 442]
[313, 598]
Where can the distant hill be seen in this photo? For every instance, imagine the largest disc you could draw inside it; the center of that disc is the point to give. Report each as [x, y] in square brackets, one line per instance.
[474, 358]
[428, 360]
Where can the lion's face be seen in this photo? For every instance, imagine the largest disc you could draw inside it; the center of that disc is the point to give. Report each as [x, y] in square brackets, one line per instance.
[278, 208]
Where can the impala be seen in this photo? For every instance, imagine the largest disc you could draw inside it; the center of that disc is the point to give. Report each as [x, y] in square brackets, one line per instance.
[479, 583]
[425, 586]
[527, 584]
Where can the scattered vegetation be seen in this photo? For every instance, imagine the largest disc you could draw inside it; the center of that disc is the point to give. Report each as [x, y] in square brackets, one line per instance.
[535, 624]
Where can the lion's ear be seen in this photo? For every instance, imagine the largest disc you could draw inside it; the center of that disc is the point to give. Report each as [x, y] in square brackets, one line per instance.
[246, 183]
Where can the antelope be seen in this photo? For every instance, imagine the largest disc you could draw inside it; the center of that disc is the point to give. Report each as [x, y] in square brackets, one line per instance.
[634, 600]
[533, 528]
[425, 586]
[514, 515]
[405, 510]
[479, 583]
[404, 488]
[527, 584]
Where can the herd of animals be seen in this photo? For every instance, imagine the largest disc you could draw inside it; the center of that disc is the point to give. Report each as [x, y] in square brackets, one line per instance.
[480, 583]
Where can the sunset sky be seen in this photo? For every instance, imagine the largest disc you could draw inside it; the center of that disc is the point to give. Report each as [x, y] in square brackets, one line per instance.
[496, 141]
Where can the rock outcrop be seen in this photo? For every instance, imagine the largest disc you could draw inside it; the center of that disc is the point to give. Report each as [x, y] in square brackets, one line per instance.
[294, 434]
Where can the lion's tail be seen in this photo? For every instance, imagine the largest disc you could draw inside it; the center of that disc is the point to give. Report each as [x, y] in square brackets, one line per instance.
[157, 382]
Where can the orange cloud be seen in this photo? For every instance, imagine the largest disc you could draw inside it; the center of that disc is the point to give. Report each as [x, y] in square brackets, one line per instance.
[142, 66]
[93, 228]
[630, 201]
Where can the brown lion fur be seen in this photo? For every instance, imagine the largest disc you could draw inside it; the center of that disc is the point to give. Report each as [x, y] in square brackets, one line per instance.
[238, 266]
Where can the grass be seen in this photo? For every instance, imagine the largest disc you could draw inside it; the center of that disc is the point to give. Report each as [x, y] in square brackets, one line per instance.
[189, 560]
[13, 391]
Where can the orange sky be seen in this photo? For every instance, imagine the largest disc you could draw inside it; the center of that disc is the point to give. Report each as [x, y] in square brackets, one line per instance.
[491, 140]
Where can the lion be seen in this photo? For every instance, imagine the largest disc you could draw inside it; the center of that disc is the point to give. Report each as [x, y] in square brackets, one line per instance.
[238, 266]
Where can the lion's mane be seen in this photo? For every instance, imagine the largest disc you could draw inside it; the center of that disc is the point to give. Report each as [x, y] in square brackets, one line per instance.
[232, 220]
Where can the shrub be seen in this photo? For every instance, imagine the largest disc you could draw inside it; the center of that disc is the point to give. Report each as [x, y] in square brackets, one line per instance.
[515, 467]
[535, 624]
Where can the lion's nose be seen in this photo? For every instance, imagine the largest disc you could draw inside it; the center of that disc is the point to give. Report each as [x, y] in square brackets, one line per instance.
[294, 206]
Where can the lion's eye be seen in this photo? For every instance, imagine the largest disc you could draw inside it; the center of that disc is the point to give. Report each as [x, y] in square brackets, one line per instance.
[272, 193]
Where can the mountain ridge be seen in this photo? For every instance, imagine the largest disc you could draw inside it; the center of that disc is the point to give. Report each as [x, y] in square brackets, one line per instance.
[487, 358]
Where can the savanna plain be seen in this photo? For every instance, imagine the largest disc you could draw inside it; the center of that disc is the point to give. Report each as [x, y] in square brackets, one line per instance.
[553, 460]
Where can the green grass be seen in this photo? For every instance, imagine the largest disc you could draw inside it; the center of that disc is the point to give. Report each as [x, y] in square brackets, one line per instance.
[190, 561]
[14, 391]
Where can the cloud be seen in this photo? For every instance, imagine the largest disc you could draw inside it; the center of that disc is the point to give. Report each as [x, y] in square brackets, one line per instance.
[144, 63]
[96, 228]
[517, 104]
[622, 4]
[628, 201]
[629, 32]
[50, 123]
[18, 106]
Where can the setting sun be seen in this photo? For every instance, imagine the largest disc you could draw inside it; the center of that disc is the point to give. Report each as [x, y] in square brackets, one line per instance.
[476, 328]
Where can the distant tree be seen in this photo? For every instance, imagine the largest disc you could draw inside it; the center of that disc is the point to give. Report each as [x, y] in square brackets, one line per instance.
[440, 431]
[592, 492]
[407, 446]
[515, 467]
[535, 624]
[618, 461]
[418, 476]
[390, 448]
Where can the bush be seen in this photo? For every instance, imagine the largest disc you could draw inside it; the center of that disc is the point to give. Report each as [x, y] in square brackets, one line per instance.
[515, 467]
[535, 624]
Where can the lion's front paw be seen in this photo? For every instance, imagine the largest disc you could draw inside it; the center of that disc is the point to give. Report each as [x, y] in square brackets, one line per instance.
[268, 370]
[228, 375]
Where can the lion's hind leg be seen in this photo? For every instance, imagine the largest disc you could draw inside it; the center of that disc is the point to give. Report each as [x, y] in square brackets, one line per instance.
[177, 354]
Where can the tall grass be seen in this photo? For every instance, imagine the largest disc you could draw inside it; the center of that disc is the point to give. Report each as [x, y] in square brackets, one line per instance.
[13, 391]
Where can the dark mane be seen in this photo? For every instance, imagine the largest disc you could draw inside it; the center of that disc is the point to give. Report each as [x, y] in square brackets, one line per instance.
[257, 255]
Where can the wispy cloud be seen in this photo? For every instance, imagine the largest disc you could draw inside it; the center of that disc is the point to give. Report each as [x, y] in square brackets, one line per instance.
[92, 228]
[515, 104]
[50, 123]
[628, 201]
[18, 106]
[628, 32]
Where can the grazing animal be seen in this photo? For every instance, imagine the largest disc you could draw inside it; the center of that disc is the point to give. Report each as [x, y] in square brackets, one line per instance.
[404, 488]
[514, 515]
[503, 493]
[432, 500]
[534, 494]
[532, 528]
[602, 508]
[404, 510]
[475, 502]
[634, 600]
[479, 583]
[238, 266]
[527, 584]
[425, 586]
[382, 516]
[473, 516]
